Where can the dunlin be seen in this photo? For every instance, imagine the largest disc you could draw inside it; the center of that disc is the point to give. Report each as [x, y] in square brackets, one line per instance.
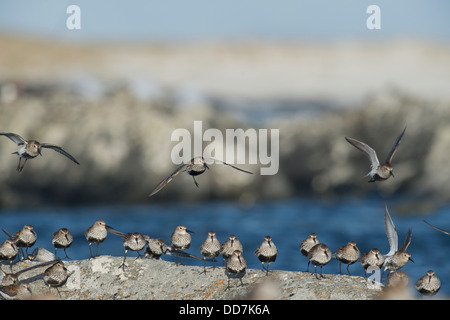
[229, 246]
[347, 254]
[378, 171]
[195, 167]
[267, 252]
[56, 276]
[395, 258]
[30, 149]
[210, 248]
[133, 241]
[24, 238]
[8, 251]
[307, 244]
[236, 266]
[319, 255]
[429, 284]
[181, 240]
[62, 239]
[372, 258]
[96, 234]
[155, 247]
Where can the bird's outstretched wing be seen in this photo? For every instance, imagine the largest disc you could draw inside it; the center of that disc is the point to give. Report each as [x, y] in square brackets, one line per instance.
[407, 241]
[60, 150]
[368, 151]
[391, 232]
[212, 160]
[438, 229]
[15, 138]
[8, 234]
[172, 251]
[43, 264]
[163, 183]
[117, 233]
[394, 148]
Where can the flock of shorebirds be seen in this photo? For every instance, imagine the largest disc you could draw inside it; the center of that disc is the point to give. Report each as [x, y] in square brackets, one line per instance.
[319, 254]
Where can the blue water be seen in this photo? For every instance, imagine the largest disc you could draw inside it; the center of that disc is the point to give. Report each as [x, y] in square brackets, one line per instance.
[288, 222]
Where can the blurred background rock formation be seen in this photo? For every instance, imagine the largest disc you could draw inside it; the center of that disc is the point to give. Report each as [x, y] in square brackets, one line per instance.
[114, 108]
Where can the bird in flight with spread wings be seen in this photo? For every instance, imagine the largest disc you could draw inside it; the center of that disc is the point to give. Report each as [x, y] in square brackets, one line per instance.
[30, 149]
[195, 167]
[378, 171]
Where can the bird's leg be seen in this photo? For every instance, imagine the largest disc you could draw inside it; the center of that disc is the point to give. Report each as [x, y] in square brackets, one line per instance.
[204, 266]
[90, 250]
[96, 254]
[195, 181]
[67, 255]
[19, 167]
[123, 263]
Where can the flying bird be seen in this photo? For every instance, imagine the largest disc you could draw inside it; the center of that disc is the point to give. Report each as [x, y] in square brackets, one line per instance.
[378, 171]
[30, 149]
[396, 258]
[195, 167]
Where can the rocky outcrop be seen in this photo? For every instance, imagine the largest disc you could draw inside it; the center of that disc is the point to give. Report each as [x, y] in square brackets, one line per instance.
[147, 279]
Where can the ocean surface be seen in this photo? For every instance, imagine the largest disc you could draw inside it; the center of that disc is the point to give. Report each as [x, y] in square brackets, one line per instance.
[288, 222]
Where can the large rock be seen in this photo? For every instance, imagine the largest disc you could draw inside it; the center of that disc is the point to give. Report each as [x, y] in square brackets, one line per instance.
[145, 279]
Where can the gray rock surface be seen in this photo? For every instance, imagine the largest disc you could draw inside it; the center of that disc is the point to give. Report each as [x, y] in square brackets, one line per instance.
[148, 279]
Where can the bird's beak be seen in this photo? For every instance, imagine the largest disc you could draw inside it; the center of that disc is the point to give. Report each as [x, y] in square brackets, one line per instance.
[411, 260]
[189, 231]
[206, 166]
[39, 151]
[392, 174]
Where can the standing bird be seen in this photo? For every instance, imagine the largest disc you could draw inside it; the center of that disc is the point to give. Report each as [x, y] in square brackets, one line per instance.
[395, 258]
[319, 255]
[306, 245]
[378, 171]
[235, 266]
[62, 239]
[96, 234]
[429, 284]
[24, 238]
[30, 149]
[228, 247]
[8, 251]
[181, 240]
[155, 247]
[131, 241]
[267, 252]
[56, 276]
[194, 168]
[210, 248]
[347, 254]
[372, 258]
